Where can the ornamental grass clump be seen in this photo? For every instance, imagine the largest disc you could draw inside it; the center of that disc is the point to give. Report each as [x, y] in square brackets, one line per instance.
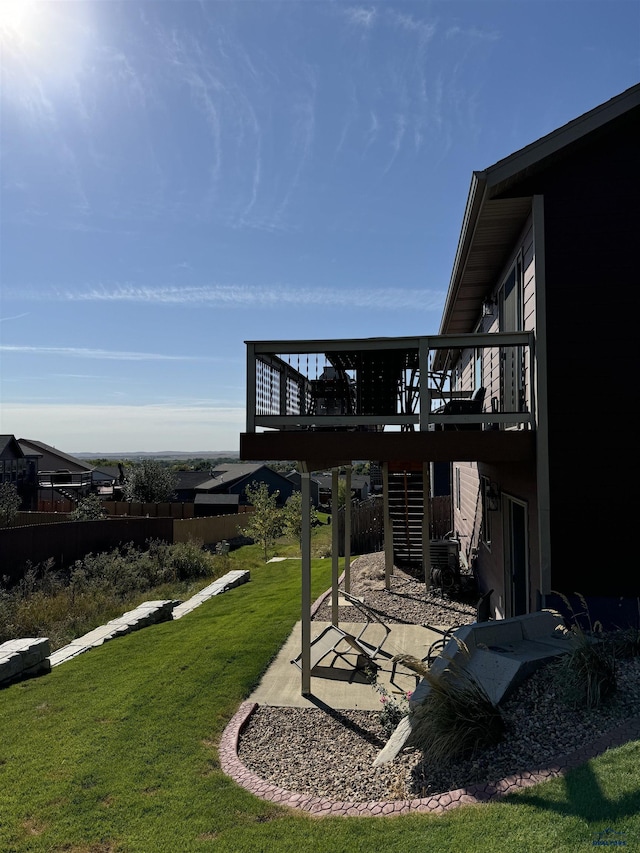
[626, 642]
[586, 675]
[457, 718]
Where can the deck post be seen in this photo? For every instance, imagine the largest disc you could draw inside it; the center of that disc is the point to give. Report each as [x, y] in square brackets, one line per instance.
[347, 531]
[426, 524]
[305, 660]
[335, 545]
[424, 390]
[388, 527]
[251, 387]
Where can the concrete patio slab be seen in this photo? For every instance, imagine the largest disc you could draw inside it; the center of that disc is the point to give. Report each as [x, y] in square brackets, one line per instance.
[333, 682]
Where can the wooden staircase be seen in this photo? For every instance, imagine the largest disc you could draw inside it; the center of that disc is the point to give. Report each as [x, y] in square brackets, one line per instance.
[406, 511]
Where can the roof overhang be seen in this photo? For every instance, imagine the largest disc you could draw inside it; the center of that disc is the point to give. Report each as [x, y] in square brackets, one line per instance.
[489, 230]
[497, 210]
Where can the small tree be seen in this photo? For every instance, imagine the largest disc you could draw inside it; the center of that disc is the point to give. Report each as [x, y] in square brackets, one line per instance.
[266, 520]
[149, 482]
[90, 508]
[342, 492]
[10, 502]
[292, 515]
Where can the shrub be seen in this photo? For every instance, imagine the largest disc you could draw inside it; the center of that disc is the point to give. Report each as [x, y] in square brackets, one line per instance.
[586, 675]
[10, 502]
[393, 709]
[64, 605]
[265, 524]
[89, 508]
[149, 481]
[626, 642]
[456, 719]
[292, 517]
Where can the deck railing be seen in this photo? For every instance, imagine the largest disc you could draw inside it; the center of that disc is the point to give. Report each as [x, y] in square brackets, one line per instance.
[372, 383]
[65, 479]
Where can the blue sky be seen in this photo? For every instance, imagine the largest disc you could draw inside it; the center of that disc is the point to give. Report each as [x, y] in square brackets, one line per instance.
[179, 177]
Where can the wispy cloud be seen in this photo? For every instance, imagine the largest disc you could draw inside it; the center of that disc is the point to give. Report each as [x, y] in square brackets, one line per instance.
[240, 296]
[360, 16]
[373, 130]
[424, 29]
[400, 125]
[473, 33]
[303, 132]
[15, 317]
[108, 355]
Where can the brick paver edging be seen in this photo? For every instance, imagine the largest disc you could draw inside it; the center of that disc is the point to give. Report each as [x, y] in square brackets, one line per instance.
[474, 794]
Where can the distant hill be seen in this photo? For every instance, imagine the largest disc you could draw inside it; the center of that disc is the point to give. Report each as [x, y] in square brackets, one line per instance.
[161, 454]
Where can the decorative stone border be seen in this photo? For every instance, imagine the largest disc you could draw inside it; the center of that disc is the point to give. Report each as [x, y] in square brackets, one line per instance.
[438, 803]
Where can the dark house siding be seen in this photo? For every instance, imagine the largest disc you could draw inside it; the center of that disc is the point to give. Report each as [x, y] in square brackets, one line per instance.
[592, 222]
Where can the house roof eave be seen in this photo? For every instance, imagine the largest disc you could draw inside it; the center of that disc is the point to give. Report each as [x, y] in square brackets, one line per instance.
[494, 216]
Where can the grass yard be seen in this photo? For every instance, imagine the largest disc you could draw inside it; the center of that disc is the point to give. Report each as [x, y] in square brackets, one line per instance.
[116, 751]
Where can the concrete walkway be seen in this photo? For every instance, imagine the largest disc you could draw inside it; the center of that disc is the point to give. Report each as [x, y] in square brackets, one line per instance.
[336, 683]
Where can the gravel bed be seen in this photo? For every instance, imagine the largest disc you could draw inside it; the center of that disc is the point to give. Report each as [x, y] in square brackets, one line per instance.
[331, 753]
[407, 601]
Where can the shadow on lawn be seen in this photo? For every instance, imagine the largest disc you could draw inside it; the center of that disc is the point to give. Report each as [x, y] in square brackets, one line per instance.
[585, 799]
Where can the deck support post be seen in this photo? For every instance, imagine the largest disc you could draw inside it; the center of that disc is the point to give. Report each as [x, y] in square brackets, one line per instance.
[388, 527]
[305, 660]
[335, 545]
[347, 531]
[426, 524]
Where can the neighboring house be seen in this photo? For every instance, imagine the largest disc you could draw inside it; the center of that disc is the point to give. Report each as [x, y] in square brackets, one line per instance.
[359, 488]
[295, 478]
[106, 481]
[234, 477]
[21, 469]
[187, 482]
[207, 505]
[13, 464]
[59, 475]
[525, 391]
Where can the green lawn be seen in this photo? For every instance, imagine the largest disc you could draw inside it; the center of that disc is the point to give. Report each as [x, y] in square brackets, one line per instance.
[116, 751]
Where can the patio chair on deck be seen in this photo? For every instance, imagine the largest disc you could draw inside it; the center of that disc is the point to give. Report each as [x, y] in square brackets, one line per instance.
[463, 406]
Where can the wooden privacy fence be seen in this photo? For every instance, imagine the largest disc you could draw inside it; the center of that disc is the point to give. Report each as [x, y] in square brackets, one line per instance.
[367, 527]
[367, 524]
[68, 541]
[210, 530]
[440, 517]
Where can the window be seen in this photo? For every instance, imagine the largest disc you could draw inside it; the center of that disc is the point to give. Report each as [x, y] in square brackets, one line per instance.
[477, 369]
[458, 490]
